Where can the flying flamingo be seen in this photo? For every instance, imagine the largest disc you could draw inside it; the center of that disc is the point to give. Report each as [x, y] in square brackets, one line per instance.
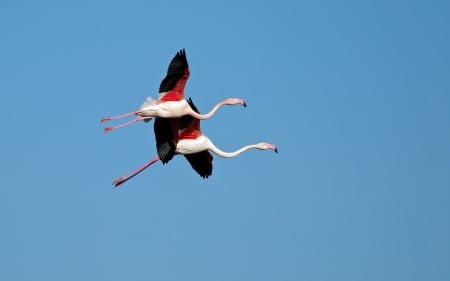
[195, 147]
[171, 102]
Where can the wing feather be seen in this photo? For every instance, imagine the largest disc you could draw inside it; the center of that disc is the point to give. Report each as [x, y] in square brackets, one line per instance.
[172, 87]
[166, 134]
[201, 162]
[177, 74]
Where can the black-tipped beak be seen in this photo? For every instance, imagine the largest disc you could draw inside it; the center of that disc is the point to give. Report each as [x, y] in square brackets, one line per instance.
[276, 150]
[245, 105]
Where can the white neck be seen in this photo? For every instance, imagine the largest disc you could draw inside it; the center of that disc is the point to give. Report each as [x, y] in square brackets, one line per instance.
[209, 114]
[219, 152]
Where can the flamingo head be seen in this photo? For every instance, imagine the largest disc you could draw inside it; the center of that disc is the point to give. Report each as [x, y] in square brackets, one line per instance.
[233, 101]
[266, 146]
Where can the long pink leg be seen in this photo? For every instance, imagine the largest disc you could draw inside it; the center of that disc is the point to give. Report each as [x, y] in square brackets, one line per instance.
[109, 129]
[133, 173]
[104, 119]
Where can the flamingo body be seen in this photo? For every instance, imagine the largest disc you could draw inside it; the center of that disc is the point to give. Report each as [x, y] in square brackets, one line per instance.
[171, 102]
[192, 144]
[168, 109]
[183, 136]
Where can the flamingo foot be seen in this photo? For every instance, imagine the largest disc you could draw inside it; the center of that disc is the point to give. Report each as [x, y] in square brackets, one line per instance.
[105, 119]
[137, 119]
[107, 130]
[117, 182]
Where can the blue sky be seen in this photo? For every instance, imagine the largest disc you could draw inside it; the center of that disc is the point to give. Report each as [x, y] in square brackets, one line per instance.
[354, 93]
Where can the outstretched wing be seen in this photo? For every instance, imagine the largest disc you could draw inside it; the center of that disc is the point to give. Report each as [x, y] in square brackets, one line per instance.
[177, 74]
[166, 130]
[201, 162]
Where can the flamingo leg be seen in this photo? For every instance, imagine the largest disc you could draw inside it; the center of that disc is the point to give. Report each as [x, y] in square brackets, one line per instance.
[137, 119]
[105, 119]
[122, 179]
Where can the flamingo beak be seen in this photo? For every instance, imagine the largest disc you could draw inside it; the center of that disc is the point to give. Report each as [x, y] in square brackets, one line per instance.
[241, 101]
[273, 147]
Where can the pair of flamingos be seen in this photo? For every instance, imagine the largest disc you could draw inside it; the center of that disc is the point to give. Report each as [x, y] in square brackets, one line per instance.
[177, 124]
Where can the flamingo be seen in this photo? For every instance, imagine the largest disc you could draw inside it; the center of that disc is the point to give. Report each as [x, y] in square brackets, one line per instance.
[195, 147]
[171, 102]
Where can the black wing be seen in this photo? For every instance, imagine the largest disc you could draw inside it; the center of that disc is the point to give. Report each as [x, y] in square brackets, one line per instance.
[166, 130]
[201, 162]
[166, 134]
[178, 68]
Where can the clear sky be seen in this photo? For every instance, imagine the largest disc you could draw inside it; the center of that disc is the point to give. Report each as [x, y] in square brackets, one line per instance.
[356, 94]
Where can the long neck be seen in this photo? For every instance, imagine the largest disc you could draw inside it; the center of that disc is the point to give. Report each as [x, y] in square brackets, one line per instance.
[219, 152]
[209, 114]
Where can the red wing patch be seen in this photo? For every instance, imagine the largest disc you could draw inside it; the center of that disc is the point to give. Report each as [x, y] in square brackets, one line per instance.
[172, 96]
[188, 137]
[189, 134]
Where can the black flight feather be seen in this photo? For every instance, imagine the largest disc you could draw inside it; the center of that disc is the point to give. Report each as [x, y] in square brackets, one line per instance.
[175, 72]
